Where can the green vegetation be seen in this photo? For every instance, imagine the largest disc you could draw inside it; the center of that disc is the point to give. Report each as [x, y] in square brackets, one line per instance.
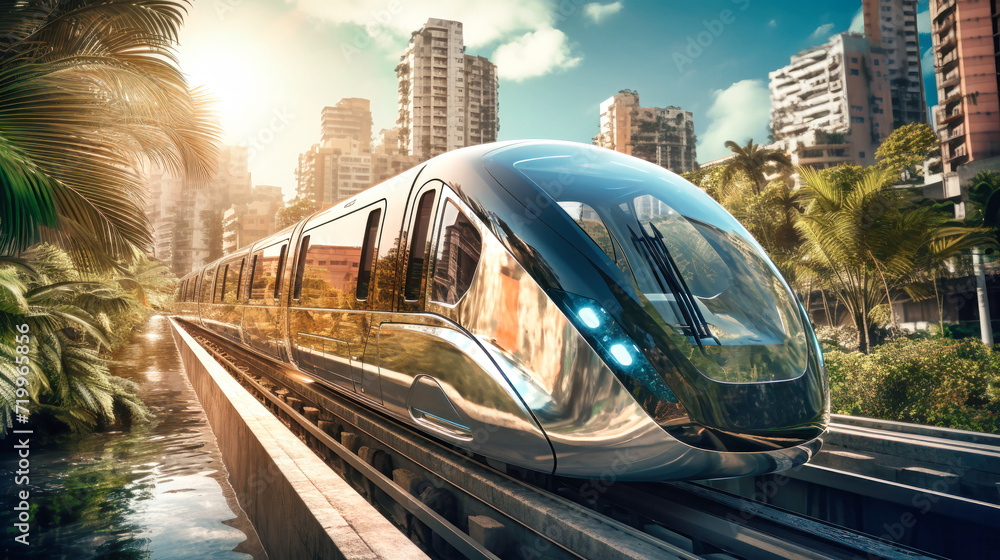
[75, 322]
[754, 162]
[937, 381]
[904, 151]
[91, 92]
[294, 212]
[849, 236]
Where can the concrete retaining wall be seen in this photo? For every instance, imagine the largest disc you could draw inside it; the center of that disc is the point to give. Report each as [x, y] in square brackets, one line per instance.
[299, 506]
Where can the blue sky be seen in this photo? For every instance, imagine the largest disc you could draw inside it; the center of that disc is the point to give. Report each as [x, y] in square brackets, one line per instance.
[274, 64]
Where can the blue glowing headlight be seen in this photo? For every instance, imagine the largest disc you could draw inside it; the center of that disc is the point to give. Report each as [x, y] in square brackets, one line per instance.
[615, 347]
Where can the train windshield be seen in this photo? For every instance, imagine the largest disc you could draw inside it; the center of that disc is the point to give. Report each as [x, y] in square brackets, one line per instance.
[697, 270]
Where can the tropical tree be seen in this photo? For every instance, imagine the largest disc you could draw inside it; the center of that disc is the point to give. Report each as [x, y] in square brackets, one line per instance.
[755, 162]
[72, 320]
[89, 91]
[294, 212]
[905, 150]
[983, 210]
[865, 240]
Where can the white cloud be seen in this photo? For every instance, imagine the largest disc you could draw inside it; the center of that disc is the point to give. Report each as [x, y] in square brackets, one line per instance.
[927, 62]
[598, 12]
[822, 32]
[534, 54]
[739, 112]
[773, 23]
[858, 23]
[924, 21]
[484, 21]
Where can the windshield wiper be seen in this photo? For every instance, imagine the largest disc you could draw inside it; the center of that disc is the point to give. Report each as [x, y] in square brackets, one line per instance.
[657, 254]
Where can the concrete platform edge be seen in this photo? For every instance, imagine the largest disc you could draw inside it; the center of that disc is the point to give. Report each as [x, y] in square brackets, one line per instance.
[298, 505]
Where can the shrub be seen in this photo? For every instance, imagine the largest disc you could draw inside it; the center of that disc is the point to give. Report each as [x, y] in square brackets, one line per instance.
[941, 382]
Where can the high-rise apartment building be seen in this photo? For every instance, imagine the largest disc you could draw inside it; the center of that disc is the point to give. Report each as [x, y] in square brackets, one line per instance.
[447, 99]
[387, 158]
[332, 171]
[664, 136]
[252, 220]
[350, 118]
[839, 92]
[966, 41]
[186, 213]
[892, 26]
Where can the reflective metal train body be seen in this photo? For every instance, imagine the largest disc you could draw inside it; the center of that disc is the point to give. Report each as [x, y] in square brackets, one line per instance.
[551, 305]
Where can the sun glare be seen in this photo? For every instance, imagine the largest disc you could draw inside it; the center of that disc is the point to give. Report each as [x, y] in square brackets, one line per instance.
[233, 76]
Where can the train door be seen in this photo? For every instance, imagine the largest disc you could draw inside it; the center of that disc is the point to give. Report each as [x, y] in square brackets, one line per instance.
[261, 314]
[228, 297]
[330, 311]
[398, 347]
[205, 296]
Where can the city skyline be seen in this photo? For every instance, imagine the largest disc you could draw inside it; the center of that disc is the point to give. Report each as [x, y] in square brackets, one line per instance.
[275, 65]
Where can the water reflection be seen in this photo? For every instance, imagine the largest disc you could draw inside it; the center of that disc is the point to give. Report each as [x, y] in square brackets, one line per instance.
[159, 492]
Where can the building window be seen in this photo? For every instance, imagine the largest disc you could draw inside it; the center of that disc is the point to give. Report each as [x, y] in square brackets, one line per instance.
[854, 59]
[858, 120]
[854, 72]
[861, 155]
[876, 62]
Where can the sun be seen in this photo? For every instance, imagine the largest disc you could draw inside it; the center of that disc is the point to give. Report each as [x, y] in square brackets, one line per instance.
[234, 76]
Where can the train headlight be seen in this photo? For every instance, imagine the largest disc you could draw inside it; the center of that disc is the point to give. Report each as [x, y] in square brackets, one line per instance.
[614, 347]
[589, 317]
[621, 354]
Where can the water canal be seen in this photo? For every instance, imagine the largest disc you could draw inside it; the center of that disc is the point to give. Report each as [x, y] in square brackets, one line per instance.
[159, 491]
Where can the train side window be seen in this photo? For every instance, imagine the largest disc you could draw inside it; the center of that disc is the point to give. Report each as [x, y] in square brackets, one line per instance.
[267, 273]
[331, 268]
[368, 253]
[300, 268]
[207, 281]
[458, 250]
[281, 271]
[418, 247]
[220, 282]
[250, 276]
[592, 224]
[230, 286]
[239, 280]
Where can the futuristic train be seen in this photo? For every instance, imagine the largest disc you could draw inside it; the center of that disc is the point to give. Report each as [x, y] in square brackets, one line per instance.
[551, 305]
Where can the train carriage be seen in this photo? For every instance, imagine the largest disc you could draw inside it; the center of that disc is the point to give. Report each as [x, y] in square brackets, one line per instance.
[551, 305]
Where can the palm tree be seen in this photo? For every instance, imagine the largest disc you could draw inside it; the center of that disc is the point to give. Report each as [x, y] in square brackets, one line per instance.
[89, 91]
[755, 162]
[984, 211]
[866, 240]
[69, 321]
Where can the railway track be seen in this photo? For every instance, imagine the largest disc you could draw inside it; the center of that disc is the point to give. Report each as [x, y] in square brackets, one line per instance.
[460, 506]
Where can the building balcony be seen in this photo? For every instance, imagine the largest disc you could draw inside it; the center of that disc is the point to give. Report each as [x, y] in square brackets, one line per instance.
[956, 114]
[951, 80]
[944, 7]
[951, 100]
[947, 43]
[959, 157]
[953, 135]
[946, 61]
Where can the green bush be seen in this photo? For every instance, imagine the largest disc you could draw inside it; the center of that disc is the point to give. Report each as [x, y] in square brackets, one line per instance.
[941, 382]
